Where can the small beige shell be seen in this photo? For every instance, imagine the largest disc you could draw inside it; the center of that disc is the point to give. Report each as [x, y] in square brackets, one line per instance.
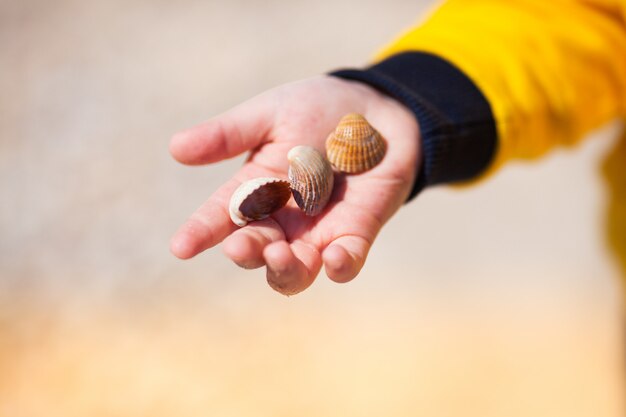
[355, 146]
[311, 179]
[258, 198]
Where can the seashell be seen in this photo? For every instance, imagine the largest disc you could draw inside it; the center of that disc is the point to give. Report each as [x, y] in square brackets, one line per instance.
[355, 146]
[311, 179]
[256, 199]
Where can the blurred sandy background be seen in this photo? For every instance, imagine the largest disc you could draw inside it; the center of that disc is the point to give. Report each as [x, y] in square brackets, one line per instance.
[499, 300]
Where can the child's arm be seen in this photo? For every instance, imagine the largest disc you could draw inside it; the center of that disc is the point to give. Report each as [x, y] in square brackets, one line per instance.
[487, 80]
[550, 72]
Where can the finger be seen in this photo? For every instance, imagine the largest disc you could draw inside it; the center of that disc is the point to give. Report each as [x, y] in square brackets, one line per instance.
[238, 130]
[245, 246]
[207, 226]
[291, 268]
[344, 257]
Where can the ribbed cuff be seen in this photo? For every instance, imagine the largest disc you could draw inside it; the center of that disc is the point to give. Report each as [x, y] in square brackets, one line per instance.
[457, 127]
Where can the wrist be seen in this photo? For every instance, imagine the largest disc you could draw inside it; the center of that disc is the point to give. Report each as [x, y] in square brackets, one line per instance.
[458, 135]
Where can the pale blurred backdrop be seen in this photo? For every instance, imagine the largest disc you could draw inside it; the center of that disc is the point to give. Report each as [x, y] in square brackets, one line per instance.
[495, 300]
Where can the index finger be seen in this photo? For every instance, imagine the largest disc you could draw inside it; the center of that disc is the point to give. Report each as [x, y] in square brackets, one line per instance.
[238, 130]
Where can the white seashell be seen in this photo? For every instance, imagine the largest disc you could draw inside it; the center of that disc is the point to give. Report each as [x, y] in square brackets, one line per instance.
[256, 199]
[311, 177]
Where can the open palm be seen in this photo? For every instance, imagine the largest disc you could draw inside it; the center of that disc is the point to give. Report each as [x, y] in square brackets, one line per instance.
[290, 244]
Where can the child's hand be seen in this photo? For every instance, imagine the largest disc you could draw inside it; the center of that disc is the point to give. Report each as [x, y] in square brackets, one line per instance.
[291, 245]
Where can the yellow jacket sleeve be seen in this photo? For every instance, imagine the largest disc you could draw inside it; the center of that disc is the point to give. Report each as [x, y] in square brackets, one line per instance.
[551, 70]
[494, 80]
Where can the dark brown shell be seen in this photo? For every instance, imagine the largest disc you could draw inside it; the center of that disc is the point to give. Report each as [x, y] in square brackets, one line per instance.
[256, 199]
[355, 146]
[311, 178]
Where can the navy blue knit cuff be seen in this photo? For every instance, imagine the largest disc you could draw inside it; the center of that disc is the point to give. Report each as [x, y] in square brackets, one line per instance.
[457, 127]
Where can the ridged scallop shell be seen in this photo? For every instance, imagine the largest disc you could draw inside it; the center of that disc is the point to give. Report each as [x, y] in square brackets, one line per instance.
[258, 198]
[355, 146]
[311, 179]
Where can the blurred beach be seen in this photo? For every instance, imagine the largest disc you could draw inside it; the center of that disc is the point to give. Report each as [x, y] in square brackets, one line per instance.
[499, 299]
